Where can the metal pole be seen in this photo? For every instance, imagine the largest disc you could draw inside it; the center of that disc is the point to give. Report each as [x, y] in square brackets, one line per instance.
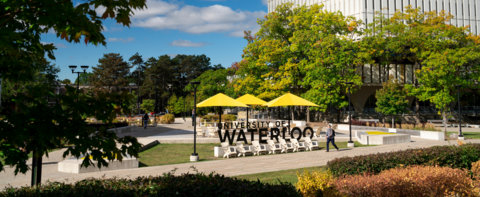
[459, 114]
[349, 117]
[184, 112]
[138, 91]
[474, 106]
[195, 121]
[78, 80]
[154, 109]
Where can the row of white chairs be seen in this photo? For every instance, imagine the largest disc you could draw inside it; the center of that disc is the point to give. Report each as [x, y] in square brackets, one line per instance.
[212, 132]
[271, 147]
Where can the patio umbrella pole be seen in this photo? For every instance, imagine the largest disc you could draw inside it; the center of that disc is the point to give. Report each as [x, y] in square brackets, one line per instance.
[220, 119]
[290, 117]
[246, 126]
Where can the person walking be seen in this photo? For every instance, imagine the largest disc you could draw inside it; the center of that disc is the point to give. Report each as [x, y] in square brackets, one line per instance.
[331, 137]
[145, 120]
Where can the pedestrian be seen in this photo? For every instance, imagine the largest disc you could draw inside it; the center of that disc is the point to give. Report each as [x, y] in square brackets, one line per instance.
[167, 110]
[24, 151]
[145, 119]
[331, 137]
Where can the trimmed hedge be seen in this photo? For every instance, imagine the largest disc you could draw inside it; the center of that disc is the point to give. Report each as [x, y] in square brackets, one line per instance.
[460, 157]
[199, 184]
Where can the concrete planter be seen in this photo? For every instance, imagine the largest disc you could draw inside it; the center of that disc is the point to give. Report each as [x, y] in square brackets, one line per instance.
[343, 127]
[73, 164]
[218, 151]
[433, 135]
[299, 123]
[392, 130]
[366, 139]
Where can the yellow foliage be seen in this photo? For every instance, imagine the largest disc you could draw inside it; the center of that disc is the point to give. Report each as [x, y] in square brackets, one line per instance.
[309, 183]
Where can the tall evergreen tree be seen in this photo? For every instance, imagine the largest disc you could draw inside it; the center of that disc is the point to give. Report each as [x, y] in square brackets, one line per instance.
[111, 73]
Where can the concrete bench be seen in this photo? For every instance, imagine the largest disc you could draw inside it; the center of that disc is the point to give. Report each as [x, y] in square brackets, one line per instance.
[369, 120]
[435, 121]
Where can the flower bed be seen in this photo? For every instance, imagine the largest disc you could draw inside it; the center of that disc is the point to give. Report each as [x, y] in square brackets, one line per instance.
[453, 156]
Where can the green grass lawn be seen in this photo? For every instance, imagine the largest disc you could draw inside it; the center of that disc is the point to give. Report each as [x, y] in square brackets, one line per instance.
[289, 176]
[471, 135]
[163, 154]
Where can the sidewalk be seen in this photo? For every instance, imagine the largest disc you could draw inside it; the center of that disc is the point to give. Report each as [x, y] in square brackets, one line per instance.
[228, 167]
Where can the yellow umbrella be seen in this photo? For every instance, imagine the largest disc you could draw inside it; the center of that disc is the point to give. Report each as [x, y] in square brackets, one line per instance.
[289, 99]
[220, 100]
[249, 99]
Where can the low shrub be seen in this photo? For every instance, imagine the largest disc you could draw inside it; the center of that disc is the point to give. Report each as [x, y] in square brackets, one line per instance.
[225, 117]
[167, 185]
[168, 118]
[453, 156]
[410, 181]
[310, 184]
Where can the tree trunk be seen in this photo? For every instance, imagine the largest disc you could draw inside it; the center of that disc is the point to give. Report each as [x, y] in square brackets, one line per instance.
[393, 122]
[308, 114]
[445, 121]
[338, 116]
[417, 109]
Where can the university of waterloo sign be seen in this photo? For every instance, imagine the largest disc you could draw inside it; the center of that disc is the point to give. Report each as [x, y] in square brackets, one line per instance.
[260, 127]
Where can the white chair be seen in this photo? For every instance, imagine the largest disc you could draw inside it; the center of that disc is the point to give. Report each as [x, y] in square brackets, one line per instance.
[212, 132]
[297, 145]
[273, 147]
[317, 132]
[286, 146]
[258, 148]
[311, 144]
[241, 149]
[228, 150]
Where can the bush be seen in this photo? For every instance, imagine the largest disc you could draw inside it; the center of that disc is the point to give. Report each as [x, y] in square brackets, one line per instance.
[453, 156]
[225, 117]
[167, 185]
[410, 181]
[310, 184]
[167, 119]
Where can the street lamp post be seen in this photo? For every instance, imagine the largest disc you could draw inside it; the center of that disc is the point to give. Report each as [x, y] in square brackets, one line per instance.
[184, 112]
[350, 143]
[194, 156]
[460, 136]
[171, 91]
[155, 108]
[73, 67]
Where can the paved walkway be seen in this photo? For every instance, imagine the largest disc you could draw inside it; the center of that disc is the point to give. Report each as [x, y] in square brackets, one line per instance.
[229, 167]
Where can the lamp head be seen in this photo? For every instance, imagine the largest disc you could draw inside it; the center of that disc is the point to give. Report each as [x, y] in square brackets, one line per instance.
[195, 82]
[72, 67]
[349, 83]
[458, 86]
[84, 68]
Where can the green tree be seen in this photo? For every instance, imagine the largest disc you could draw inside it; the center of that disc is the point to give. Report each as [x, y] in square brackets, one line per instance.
[179, 105]
[28, 20]
[66, 81]
[84, 78]
[111, 72]
[44, 128]
[391, 99]
[21, 25]
[148, 105]
[171, 104]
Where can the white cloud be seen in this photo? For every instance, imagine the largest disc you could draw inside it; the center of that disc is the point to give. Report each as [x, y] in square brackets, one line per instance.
[265, 2]
[196, 20]
[187, 43]
[126, 40]
[60, 45]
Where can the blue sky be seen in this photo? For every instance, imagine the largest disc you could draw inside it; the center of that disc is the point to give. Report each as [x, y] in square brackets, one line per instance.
[193, 27]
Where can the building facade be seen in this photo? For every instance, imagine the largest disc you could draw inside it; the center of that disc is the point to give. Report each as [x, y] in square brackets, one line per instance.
[363, 101]
[464, 11]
